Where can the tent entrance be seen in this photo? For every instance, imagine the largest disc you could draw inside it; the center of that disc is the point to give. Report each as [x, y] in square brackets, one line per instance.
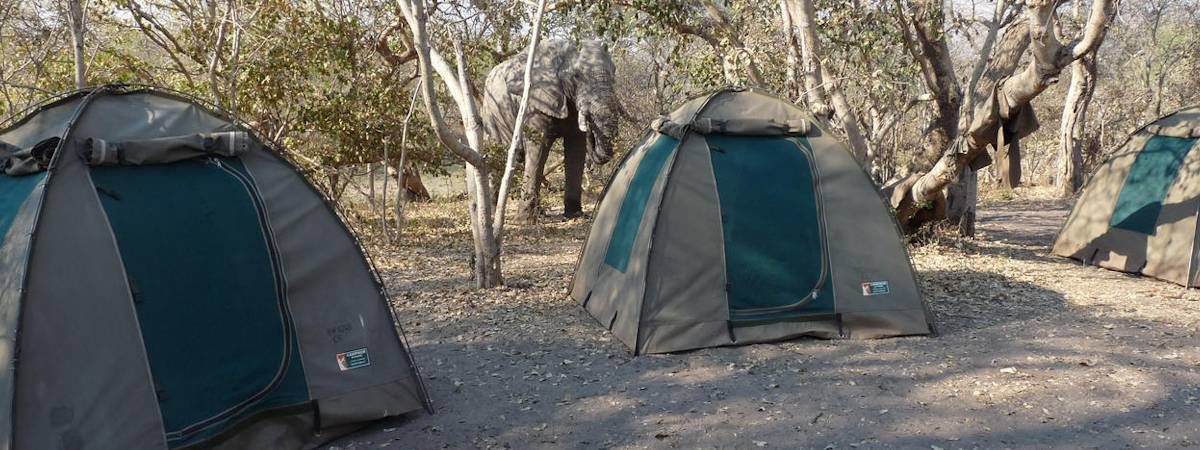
[215, 322]
[776, 262]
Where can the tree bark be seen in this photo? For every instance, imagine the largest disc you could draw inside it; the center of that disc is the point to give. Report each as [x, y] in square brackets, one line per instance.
[1074, 118]
[75, 18]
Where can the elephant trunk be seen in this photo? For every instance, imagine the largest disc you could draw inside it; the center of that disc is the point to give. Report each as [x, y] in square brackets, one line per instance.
[601, 131]
[596, 101]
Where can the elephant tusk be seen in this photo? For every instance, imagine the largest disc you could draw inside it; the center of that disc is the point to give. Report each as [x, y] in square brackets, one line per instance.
[583, 123]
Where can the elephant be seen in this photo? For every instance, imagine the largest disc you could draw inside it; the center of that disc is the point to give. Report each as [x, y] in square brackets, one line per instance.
[571, 98]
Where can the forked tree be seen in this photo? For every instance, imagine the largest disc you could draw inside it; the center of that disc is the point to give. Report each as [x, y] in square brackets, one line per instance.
[487, 218]
[999, 111]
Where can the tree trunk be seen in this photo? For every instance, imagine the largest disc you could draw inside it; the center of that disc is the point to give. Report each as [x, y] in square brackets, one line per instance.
[819, 83]
[1071, 132]
[371, 186]
[383, 202]
[233, 68]
[804, 18]
[517, 138]
[401, 193]
[999, 17]
[487, 254]
[926, 41]
[792, 89]
[75, 18]
[961, 200]
[1008, 166]
[928, 45]
[214, 59]
[487, 250]
[335, 179]
[846, 119]
[467, 146]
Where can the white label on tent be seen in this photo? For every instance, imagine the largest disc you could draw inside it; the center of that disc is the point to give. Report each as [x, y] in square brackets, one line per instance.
[353, 359]
[873, 288]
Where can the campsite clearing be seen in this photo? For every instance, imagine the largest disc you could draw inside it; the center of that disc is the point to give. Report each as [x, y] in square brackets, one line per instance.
[1035, 351]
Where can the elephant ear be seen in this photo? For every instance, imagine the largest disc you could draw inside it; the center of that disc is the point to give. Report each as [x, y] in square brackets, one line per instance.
[548, 94]
[499, 107]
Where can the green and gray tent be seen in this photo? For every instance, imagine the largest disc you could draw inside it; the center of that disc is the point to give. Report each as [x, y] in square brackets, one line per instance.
[1138, 211]
[169, 281]
[738, 220]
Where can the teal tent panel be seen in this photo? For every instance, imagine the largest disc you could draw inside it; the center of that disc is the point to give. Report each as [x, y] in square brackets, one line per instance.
[209, 292]
[1154, 170]
[13, 192]
[775, 260]
[637, 195]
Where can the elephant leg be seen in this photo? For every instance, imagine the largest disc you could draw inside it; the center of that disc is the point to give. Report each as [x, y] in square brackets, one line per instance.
[574, 158]
[535, 162]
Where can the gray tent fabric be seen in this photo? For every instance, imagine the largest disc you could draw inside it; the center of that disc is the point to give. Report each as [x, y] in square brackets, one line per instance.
[739, 220]
[194, 291]
[1138, 211]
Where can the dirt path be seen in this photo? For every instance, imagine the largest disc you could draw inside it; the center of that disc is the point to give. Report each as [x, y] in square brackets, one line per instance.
[1034, 352]
[1032, 223]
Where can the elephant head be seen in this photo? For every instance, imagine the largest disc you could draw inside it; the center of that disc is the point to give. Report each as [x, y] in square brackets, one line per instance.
[595, 100]
[565, 78]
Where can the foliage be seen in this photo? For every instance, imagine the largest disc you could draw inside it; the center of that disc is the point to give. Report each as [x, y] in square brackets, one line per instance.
[307, 71]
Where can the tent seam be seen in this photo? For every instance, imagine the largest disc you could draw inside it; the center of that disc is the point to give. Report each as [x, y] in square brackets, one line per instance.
[24, 289]
[668, 172]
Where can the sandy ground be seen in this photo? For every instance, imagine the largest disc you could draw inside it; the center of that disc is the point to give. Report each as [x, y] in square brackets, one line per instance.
[1035, 351]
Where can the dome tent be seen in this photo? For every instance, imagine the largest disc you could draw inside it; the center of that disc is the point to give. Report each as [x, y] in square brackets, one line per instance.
[168, 281]
[1138, 211]
[738, 220]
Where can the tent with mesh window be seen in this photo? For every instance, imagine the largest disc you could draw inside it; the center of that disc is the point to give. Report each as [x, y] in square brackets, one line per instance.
[169, 281]
[739, 220]
[1138, 212]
